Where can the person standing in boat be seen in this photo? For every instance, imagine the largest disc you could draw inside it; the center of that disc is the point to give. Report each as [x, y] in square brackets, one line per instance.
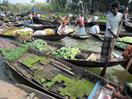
[62, 28]
[81, 26]
[95, 29]
[113, 20]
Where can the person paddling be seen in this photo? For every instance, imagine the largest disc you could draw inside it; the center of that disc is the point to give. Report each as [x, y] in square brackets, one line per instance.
[113, 20]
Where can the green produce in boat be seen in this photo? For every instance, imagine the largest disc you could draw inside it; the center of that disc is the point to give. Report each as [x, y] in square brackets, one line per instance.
[66, 52]
[13, 54]
[121, 45]
[39, 45]
[30, 60]
[126, 39]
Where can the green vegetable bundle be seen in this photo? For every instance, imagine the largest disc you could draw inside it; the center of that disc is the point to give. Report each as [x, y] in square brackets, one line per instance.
[13, 54]
[39, 45]
[73, 87]
[102, 19]
[121, 45]
[66, 52]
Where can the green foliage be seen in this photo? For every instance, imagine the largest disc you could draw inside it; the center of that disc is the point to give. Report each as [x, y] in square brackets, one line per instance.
[125, 39]
[102, 19]
[73, 87]
[30, 60]
[66, 52]
[121, 45]
[13, 54]
[39, 45]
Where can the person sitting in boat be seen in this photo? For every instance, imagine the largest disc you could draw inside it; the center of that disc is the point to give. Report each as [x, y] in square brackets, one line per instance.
[95, 29]
[62, 28]
[81, 26]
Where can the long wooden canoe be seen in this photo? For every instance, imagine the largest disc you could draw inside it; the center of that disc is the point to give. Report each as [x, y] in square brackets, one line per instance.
[101, 35]
[54, 37]
[76, 36]
[36, 20]
[56, 66]
[40, 26]
[88, 58]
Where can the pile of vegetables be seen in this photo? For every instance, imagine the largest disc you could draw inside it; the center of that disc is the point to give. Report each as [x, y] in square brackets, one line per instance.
[24, 35]
[30, 60]
[102, 19]
[121, 45]
[39, 45]
[66, 52]
[73, 87]
[13, 54]
[126, 39]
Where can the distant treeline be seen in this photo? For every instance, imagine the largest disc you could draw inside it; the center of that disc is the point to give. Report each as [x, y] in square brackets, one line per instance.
[72, 6]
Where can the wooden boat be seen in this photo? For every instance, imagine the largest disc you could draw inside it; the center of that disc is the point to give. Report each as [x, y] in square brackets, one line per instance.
[36, 20]
[76, 36]
[54, 37]
[87, 58]
[40, 26]
[90, 59]
[128, 27]
[101, 35]
[18, 91]
[56, 66]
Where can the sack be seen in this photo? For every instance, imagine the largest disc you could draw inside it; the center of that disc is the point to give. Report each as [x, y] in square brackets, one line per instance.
[44, 32]
[39, 33]
[49, 31]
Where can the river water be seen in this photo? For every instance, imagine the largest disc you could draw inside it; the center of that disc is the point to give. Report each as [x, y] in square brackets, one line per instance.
[114, 73]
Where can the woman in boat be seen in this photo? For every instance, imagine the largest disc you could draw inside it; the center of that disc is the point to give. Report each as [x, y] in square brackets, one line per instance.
[62, 28]
[95, 29]
[81, 26]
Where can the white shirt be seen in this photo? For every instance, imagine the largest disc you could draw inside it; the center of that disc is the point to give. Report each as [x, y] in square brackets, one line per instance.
[95, 29]
[95, 18]
[112, 22]
[61, 28]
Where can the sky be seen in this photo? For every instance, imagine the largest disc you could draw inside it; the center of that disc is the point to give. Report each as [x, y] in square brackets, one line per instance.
[24, 1]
